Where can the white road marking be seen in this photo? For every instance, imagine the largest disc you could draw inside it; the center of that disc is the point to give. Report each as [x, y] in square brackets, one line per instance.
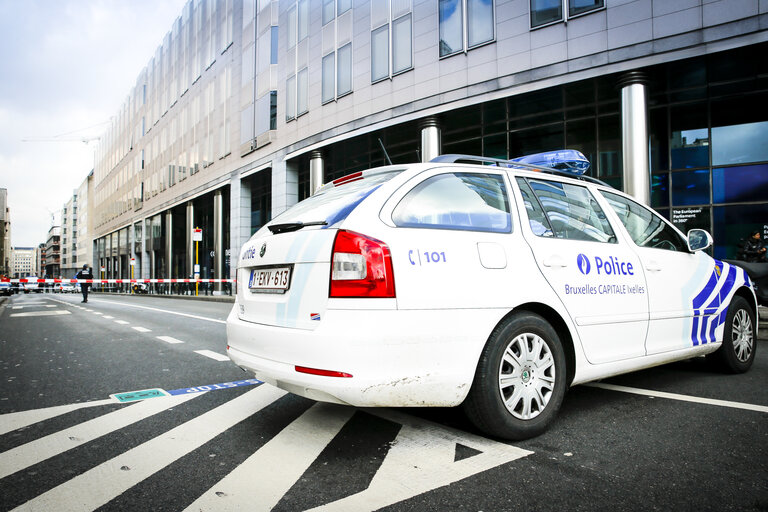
[46, 447]
[43, 313]
[254, 484]
[121, 322]
[422, 458]
[91, 489]
[166, 311]
[98, 313]
[212, 355]
[108, 317]
[169, 339]
[142, 329]
[674, 396]
[17, 420]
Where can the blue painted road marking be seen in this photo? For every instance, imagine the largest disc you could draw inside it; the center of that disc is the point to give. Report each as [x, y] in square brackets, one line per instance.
[132, 396]
[214, 387]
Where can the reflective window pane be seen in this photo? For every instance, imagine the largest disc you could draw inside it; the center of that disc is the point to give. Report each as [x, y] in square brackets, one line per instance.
[536, 217]
[380, 53]
[480, 22]
[329, 73]
[290, 97]
[660, 190]
[451, 27]
[343, 6]
[576, 7]
[740, 184]
[689, 140]
[733, 224]
[741, 143]
[301, 92]
[690, 187]
[463, 201]
[572, 212]
[401, 44]
[328, 10]
[303, 23]
[545, 11]
[344, 70]
[645, 227]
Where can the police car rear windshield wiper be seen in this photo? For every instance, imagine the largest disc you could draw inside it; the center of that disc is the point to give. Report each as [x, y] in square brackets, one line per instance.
[293, 226]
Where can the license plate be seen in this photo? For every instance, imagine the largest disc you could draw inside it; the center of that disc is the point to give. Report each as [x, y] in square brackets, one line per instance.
[270, 280]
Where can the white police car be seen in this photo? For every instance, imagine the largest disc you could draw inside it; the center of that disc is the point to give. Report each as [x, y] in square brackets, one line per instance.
[495, 287]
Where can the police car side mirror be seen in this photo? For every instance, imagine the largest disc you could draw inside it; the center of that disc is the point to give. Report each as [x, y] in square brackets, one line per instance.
[698, 240]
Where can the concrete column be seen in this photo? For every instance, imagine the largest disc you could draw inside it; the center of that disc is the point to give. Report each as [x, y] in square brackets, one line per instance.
[316, 171]
[190, 225]
[218, 239]
[239, 220]
[634, 136]
[285, 185]
[168, 248]
[146, 267]
[431, 143]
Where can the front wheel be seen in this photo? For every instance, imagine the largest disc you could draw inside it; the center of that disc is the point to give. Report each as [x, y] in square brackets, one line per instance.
[520, 379]
[738, 349]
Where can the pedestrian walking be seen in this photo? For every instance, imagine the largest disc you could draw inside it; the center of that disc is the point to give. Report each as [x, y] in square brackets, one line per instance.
[84, 274]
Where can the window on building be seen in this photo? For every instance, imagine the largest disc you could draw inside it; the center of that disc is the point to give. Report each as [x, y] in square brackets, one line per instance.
[391, 38]
[465, 24]
[337, 73]
[333, 8]
[544, 12]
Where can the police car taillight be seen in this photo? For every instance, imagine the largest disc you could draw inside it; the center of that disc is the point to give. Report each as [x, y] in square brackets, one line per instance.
[361, 267]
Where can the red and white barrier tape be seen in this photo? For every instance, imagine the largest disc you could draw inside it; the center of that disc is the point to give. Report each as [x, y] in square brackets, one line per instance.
[118, 281]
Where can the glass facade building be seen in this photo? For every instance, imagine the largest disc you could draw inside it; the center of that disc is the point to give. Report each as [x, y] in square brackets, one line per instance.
[249, 105]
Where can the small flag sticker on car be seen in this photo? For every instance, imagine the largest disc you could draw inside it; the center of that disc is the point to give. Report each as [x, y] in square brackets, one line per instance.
[314, 316]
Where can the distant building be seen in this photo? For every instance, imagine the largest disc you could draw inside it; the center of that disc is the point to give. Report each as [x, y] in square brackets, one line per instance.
[69, 232]
[82, 228]
[5, 234]
[246, 107]
[40, 259]
[23, 262]
[52, 267]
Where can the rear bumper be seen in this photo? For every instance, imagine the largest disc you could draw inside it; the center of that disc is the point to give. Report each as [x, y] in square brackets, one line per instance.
[396, 358]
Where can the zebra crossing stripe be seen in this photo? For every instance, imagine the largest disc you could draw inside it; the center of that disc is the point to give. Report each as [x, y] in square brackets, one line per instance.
[423, 458]
[46, 447]
[16, 420]
[90, 490]
[254, 484]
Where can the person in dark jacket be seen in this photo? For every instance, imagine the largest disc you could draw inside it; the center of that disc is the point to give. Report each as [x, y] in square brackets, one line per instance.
[84, 274]
[754, 250]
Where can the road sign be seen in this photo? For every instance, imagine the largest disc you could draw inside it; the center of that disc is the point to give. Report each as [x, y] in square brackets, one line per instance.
[197, 235]
[133, 262]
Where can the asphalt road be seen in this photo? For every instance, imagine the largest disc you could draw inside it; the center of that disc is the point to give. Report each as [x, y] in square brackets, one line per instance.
[680, 436]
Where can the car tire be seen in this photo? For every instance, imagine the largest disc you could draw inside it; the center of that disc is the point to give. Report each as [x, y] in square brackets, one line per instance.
[737, 352]
[518, 396]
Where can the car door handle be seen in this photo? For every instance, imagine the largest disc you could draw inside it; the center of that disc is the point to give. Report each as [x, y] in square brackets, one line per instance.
[652, 266]
[554, 261]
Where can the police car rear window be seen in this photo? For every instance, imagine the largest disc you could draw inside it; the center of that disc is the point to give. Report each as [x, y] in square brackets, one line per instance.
[463, 201]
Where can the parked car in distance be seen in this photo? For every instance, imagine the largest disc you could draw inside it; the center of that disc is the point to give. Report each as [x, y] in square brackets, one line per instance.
[5, 288]
[495, 285]
[32, 285]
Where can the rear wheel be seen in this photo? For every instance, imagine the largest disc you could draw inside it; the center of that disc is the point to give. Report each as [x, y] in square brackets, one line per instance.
[738, 349]
[520, 380]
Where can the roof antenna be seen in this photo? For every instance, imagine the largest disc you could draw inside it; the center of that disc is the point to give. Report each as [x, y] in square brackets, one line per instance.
[385, 151]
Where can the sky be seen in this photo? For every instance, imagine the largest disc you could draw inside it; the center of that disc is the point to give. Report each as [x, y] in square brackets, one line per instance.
[66, 67]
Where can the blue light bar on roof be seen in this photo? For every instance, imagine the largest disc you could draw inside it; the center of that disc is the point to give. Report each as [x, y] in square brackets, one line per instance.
[568, 160]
